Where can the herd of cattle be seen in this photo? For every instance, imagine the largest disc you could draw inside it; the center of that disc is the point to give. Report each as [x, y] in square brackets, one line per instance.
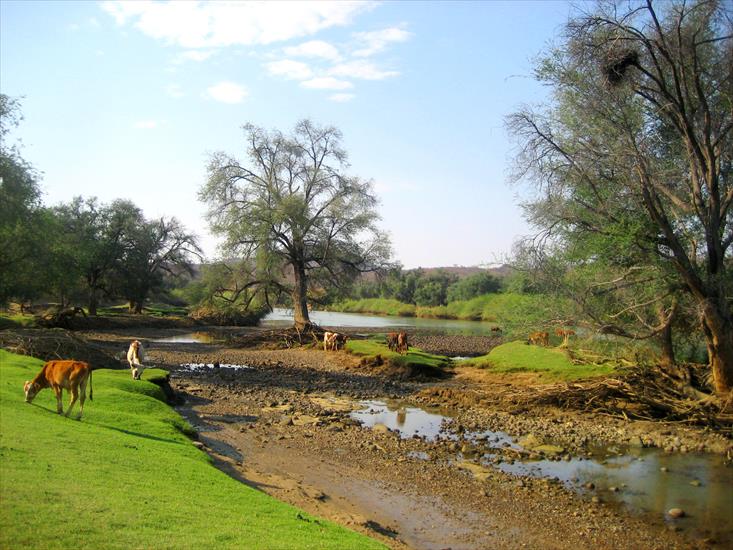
[73, 376]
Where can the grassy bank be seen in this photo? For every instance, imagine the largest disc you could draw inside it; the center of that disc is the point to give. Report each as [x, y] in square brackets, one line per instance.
[514, 313]
[375, 346]
[551, 364]
[16, 320]
[127, 476]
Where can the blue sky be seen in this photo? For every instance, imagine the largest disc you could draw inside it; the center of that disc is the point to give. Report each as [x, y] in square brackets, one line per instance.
[126, 100]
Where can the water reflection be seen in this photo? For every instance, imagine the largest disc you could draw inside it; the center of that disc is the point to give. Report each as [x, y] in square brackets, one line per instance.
[408, 421]
[280, 317]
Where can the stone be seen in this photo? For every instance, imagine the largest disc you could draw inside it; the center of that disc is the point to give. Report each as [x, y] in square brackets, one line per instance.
[590, 485]
[664, 469]
[613, 489]
[380, 428]
[676, 513]
[635, 441]
[695, 483]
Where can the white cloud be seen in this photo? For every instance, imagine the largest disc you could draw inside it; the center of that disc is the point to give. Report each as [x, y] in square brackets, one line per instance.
[146, 124]
[219, 24]
[175, 91]
[195, 55]
[376, 41]
[327, 83]
[341, 98]
[314, 48]
[360, 69]
[227, 92]
[288, 68]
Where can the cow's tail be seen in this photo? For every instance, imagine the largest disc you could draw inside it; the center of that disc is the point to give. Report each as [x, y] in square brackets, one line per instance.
[90, 385]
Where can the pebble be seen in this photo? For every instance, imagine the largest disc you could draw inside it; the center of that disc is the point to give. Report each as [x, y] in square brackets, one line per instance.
[676, 513]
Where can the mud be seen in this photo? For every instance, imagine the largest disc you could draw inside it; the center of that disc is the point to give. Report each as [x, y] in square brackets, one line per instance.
[285, 426]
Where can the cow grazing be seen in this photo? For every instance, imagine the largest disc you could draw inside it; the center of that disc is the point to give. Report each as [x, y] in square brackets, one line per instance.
[334, 341]
[397, 341]
[540, 338]
[402, 345]
[392, 340]
[71, 376]
[135, 357]
[566, 334]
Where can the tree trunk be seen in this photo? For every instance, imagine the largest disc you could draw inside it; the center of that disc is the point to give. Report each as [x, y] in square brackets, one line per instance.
[665, 337]
[92, 301]
[665, 340]
[718, 331]
[138, 307]
[300, 297]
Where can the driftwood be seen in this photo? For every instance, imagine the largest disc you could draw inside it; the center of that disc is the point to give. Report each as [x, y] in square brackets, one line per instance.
[680, 394]
[59, 317]
[290, 337]
[48, 344]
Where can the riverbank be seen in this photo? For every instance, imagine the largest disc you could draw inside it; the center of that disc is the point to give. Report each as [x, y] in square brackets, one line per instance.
[124, 473]
[284, 423]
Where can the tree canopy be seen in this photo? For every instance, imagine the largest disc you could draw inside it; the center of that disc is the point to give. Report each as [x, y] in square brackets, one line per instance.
[291, 211]
[632, 157]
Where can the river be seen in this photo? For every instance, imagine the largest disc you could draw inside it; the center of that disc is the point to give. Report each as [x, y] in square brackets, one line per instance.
[281, 317]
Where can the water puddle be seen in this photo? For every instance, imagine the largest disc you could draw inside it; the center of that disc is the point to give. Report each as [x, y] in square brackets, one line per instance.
[201, 367]
[190, 338]
[650, 481]
[642, 480]
[407, 421]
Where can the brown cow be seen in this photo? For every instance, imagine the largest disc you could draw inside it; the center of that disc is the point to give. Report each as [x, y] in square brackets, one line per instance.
[566, 334]
[402, 345]
[392, 340]
[334, 341]
[62, 375]
[540, 338]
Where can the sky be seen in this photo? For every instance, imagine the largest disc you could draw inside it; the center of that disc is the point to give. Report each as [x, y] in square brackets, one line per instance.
[129, 99]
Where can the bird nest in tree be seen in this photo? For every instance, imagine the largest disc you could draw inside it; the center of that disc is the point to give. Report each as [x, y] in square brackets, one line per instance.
[616, 64]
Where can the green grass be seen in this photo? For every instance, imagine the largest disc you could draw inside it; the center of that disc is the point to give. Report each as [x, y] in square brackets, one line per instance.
[17, 320]
[156, 310]
[551, 364]
[127, 476]
[516, 314]
[414, 357]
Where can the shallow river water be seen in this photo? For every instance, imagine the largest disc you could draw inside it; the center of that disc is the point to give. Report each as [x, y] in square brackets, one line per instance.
[642, 480]
[281, 317]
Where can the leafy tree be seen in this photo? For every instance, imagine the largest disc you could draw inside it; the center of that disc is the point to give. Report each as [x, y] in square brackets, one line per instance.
[292, 210]
[635, 150]
[93, 239]
[472, 286]
[432, 289]
[151, 250]
[21, 230]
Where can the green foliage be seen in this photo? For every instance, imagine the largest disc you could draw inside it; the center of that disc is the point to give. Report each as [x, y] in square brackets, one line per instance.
[376, 346]
[473, 286]
[550, 364]
[125, 475]
[291, 207]
[16, 321]
[21, 219]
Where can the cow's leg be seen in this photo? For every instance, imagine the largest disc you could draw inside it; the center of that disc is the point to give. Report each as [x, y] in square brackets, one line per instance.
[82, 398]
[59, 407]
[74, 391]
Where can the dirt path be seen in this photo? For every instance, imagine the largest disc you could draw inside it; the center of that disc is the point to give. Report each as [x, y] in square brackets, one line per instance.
[283, 426]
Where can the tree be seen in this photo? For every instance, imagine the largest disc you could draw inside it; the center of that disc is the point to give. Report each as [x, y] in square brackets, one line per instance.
[21, 230]
[638, 136]
[293, 209]
[152, 249]
[472, 286]
[93, 236]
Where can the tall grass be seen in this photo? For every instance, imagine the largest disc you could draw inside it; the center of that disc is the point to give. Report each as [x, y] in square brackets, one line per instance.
[127, 476]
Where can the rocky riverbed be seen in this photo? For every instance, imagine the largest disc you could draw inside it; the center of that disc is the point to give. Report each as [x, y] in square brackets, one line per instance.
[285, 425]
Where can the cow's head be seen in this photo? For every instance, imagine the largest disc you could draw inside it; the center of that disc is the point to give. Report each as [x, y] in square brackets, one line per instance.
[30, 389]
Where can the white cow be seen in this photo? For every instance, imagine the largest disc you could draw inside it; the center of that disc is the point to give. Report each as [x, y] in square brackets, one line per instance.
[135, 357]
